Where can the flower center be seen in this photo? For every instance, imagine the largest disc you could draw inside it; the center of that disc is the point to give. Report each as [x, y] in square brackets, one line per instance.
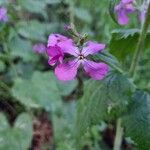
[81, 57]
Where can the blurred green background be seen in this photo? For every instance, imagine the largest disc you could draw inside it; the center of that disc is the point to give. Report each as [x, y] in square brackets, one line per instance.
[37, 111]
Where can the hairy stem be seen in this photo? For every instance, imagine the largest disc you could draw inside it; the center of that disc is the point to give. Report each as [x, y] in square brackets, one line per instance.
[140, 44]
[119, 135]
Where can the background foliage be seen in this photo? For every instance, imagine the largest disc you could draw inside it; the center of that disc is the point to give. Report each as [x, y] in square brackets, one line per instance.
[39, 112]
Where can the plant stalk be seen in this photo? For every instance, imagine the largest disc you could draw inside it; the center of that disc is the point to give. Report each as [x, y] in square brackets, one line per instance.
[119, 135]
[140, 44]
[132, 70]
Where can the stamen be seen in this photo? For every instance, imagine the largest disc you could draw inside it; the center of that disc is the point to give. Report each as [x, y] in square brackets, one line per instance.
[81, 57]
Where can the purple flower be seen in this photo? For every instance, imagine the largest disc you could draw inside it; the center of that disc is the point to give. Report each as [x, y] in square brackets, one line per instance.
[3, 14]
[124, 8]
[67, 70]
[39, 48]
[57, 46]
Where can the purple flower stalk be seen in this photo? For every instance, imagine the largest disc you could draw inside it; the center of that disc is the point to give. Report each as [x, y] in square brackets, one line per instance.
[124, 8]
[39, 48]
[3, 14]
[68, 70]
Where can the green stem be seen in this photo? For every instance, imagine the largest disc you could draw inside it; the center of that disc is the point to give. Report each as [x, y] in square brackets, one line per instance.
[134, 63]
[119, 135]
[140, 44]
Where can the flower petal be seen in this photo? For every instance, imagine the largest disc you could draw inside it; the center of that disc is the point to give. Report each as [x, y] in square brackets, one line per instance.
[122, 17]
[67, 71]
[69, 48]
[97, 71]
[92, 47]
[53, 51]
[66, 44]
[129, 8]
[54, 39]
[55, 55]
[3, 14]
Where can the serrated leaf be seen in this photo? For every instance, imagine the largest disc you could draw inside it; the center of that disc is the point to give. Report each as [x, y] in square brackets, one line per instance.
[137, 122]
[103, 99]
[123, 42]
[17, 137]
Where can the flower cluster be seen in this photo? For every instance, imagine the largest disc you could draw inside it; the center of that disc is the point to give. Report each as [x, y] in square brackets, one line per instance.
[59, 46]
[124, 8]
[3, 14]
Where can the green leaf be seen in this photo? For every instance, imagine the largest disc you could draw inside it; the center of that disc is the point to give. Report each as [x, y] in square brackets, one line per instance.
[123, 42]
[137, 122]
[21, 48]
[4, 123]
[33, 6]
[3, 2]
[36, 30]
[83, 14]
[66, 88]
[17, 137]
[2, 66]
[42, 90]
[64, 126]
[52, 1]
[33, 30]
[109, 59]
[104, 99]
[106, 57]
